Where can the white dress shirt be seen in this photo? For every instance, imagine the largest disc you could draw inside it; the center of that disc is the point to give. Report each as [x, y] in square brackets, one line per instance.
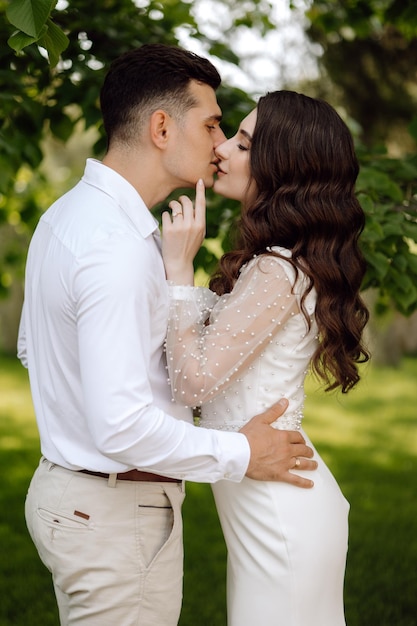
[92, 331]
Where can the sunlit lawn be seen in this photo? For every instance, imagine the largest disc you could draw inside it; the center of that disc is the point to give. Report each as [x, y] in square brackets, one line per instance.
[369, 439]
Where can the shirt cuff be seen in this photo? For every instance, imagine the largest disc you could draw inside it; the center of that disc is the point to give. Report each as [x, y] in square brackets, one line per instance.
[236, 450]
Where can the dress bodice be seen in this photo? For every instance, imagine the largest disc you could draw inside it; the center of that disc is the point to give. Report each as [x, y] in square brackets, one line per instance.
[255, 349]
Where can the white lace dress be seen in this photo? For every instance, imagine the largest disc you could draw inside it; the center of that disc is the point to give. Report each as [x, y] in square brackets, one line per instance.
[286, 546]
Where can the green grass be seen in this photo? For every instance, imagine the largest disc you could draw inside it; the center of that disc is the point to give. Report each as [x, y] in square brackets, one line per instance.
[368, 438]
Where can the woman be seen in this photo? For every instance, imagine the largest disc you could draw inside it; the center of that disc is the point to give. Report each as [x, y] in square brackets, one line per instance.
[285, 299]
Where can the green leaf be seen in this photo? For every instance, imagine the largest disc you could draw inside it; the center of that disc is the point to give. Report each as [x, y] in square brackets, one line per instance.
[19, 40]
[29, 16]
[400, 262]
[401, 281]
[410, 230]
[378, 261]
[405, 298]
[412, 262]
[394, 228]
[373, 232]
[406, 301]
[54, 41]
[366, 202]
[370, 178]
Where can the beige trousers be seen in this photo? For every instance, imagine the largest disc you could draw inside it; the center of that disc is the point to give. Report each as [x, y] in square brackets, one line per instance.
[115, 552]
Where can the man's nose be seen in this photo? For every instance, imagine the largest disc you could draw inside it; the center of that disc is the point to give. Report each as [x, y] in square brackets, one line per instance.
[219, 137]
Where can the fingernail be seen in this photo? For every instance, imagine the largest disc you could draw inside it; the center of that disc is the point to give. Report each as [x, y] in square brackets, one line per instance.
[282, 402]
[200, 182]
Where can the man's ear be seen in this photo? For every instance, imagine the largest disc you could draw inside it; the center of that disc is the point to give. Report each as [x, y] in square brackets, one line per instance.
[160, 125]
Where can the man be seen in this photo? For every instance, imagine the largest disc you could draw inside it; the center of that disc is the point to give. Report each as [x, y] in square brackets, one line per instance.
[104, 505]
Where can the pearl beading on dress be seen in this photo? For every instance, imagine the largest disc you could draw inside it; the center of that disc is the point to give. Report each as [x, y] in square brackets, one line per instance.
[292, 421]
[255, 349]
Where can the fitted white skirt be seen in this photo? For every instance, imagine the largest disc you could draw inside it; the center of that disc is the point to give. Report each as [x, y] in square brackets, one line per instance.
[286, 550]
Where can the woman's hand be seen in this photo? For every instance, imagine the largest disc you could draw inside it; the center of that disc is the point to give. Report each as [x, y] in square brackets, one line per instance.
[183, 232]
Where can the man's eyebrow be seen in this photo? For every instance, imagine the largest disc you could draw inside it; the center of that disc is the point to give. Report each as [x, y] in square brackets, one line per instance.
[245, 134]
[214, 118]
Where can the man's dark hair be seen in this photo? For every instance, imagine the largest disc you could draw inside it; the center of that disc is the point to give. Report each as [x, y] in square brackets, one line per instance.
[148, 78]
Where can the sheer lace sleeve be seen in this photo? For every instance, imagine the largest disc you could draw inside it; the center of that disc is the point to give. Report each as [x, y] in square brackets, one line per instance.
[205, 357]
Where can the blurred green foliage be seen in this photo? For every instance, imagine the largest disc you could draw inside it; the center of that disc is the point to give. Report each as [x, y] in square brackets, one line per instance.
[369, 54]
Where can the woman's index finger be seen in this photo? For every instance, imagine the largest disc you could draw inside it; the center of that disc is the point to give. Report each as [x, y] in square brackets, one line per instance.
[200, 200]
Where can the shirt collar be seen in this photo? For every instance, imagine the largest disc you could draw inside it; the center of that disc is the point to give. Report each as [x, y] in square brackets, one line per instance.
[123, 193]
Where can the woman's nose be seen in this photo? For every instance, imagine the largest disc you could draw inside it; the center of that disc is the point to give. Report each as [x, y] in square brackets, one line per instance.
[221, 149]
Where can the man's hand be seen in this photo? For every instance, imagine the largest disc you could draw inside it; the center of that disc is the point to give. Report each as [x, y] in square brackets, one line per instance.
[275, 452]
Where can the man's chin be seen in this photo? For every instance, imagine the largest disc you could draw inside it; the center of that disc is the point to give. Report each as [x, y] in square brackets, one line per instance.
[209, 182]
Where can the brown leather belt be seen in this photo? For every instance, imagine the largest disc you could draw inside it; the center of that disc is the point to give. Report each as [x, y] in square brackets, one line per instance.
[135, 475]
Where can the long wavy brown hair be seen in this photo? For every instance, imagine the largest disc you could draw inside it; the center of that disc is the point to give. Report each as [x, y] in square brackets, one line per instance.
[303, 162]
